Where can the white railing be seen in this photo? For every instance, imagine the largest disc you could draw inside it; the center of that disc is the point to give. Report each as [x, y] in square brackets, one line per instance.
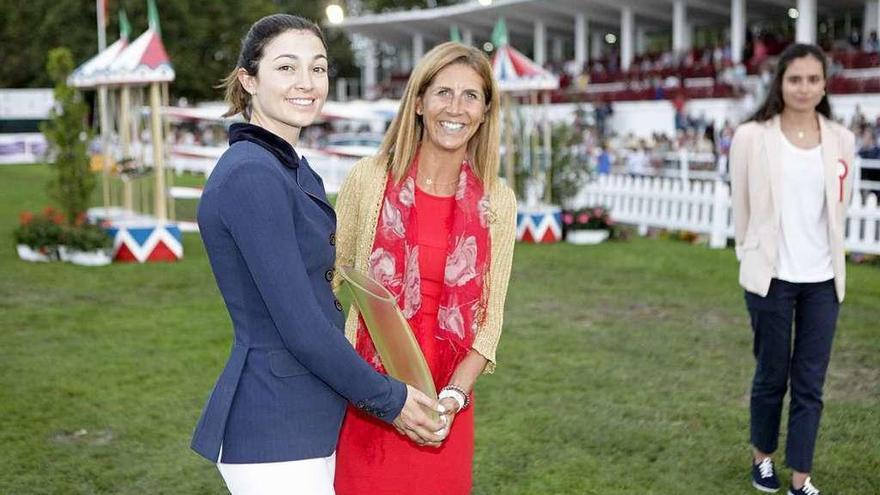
[863, 225]
[704, 207]
[687, 165]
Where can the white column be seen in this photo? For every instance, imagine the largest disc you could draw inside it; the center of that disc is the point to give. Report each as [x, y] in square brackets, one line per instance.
[369, 72]
[872, 19]
[341, 89]
[877, 17]
[688, 35]
[540, 39]
[558, 49]
[737, 29]
[405, 60]
[597, 45]
[678, 25]
[626, 37]
[805, 31]
[467, 37]
[641, 40]
[418, 47]
[580, 39]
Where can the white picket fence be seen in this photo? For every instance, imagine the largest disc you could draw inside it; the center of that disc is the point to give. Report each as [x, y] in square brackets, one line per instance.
[704, 207]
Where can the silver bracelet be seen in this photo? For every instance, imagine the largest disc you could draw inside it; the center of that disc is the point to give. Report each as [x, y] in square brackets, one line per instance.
[457, 394]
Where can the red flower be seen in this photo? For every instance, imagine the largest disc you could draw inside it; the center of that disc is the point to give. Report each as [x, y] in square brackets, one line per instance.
[48, 211]
[25, 217]
[58, 219]
[80, 219]
[568, 218]
[583, 218]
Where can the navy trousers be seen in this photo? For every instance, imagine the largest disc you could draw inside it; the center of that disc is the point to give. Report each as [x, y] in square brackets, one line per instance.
[813, 308]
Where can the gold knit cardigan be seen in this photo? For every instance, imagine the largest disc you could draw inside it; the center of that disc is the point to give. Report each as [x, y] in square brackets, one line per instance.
[357, 213]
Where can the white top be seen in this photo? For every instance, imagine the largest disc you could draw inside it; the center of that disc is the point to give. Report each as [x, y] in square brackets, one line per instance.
[804, 249]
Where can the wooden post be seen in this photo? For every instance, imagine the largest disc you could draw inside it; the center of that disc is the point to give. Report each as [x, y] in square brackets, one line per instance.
[125, 144]
[105, 145]
[548, 150]
[172, 211]
[509, 165]
[533, 100]
[158, 153]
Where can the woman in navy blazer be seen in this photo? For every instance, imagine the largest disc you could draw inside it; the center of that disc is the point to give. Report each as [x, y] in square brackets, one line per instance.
[274, 416]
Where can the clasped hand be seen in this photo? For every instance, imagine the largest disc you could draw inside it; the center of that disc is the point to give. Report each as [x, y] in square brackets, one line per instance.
[417, 425]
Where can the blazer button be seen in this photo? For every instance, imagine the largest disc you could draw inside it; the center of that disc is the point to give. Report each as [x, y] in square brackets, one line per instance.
[333, 239]
[338, 304]
[329, 275]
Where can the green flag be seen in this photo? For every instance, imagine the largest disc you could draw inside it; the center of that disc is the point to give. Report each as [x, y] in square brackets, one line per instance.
[153, 16]
[499, 33]
[454, 34]
[124, 26]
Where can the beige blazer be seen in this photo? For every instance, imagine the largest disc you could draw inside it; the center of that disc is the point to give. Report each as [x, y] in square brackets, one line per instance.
[756, 183]
[357, 213]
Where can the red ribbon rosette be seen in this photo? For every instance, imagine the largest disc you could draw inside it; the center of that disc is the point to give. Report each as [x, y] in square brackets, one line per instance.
[843, 171]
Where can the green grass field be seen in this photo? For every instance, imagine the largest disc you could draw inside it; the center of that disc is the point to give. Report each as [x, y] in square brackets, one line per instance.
[623, 369]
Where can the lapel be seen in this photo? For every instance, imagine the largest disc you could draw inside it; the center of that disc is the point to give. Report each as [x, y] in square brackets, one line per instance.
[309, 182]
[830, 155]
[773, 143]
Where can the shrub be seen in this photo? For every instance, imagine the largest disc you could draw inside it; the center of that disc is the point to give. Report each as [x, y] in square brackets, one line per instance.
[42, 232]
[589, 218]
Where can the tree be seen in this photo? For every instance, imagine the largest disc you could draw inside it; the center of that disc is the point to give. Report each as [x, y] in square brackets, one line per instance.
[202, 38]
[67, 135]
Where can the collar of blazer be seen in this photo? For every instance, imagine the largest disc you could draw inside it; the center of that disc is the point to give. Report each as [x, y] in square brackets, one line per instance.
[283, 151]
[831, 157]
[306, 178]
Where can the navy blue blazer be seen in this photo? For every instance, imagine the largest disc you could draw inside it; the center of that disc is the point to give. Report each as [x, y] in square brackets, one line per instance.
[270, 235]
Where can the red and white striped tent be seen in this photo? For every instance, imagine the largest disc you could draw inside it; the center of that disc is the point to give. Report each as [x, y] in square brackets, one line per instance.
[144, 61]
[96, 71]
[517, 73]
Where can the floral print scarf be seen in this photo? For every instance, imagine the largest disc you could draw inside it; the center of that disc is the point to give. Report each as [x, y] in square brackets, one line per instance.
[394, 262]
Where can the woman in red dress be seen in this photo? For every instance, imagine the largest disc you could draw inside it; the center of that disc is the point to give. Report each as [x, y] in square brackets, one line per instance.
[429, 219]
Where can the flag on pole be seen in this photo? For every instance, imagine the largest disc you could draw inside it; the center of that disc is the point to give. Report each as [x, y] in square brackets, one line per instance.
[499, 33]
[124, 26]
[153, 17]
[454, 33]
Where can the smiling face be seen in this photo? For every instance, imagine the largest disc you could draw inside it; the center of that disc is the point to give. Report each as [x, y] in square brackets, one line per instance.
[291, 83]
[452, 108]
[803, 84]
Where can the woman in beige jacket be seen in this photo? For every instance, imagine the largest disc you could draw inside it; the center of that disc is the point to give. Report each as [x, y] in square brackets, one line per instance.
[791, 184]
[430, 220]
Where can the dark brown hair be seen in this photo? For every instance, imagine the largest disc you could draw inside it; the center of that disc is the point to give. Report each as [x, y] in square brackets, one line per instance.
[773, 103]
[259, 35]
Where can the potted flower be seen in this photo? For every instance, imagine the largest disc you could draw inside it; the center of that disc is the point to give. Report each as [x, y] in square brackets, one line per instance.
[86, 244]
[590, 225]
[37, 237]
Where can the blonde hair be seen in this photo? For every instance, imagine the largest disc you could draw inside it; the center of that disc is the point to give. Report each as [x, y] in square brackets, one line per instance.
[399, 146]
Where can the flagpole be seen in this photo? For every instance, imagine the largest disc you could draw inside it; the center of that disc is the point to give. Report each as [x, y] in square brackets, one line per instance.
[102, 25]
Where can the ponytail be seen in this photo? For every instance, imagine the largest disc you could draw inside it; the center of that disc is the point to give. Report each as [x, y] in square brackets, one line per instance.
[237, 99]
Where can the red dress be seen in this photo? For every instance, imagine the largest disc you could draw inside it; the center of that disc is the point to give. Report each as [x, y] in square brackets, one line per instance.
[372, 457]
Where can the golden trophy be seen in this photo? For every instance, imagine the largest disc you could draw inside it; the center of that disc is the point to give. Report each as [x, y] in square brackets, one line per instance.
[391, 334]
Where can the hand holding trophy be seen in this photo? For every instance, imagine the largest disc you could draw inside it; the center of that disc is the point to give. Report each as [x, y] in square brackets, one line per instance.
[401, 357]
